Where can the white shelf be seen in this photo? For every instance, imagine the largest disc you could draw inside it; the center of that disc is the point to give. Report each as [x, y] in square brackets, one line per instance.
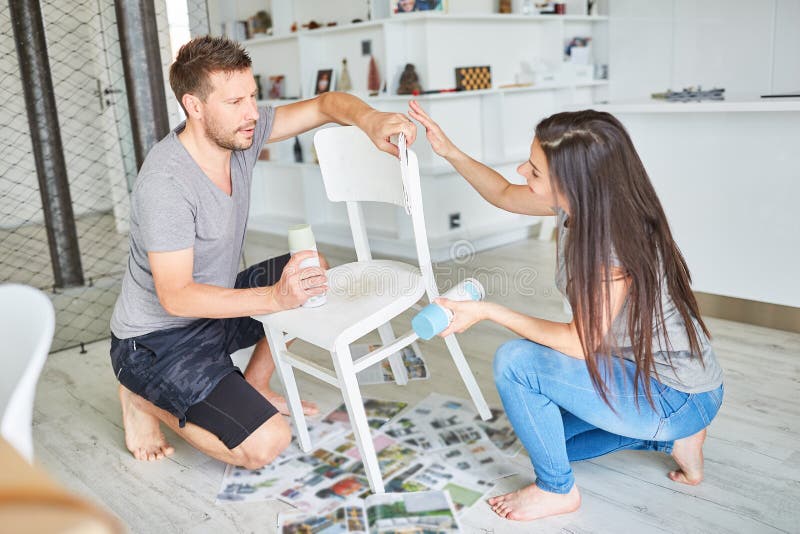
[489, 92]
[734, 104]
[492, 17]
[278, 102]
[343, 28]
[442, 167]
[267, 39]
[456, 94]
[584, 18]
[421, 17]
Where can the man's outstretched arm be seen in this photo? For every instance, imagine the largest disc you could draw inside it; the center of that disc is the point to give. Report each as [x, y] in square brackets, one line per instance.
[341, 108]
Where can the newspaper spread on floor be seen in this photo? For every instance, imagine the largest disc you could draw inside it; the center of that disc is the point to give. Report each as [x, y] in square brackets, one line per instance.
[387, 513]
[381, 372]
[440, 444]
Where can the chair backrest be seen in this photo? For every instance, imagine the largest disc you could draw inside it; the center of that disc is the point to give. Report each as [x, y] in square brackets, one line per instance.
[27, 324]
[354, 170]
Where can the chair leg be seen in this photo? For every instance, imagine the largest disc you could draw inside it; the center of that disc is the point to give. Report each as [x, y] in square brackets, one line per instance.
[468, 377]
[343, 363]
[395, 360]
[277, 345]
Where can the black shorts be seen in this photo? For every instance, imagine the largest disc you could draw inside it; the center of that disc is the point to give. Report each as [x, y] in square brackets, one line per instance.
[232, 411]
[178, 368]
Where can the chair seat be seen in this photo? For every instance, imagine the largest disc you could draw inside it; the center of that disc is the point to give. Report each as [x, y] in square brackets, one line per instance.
[362, 296]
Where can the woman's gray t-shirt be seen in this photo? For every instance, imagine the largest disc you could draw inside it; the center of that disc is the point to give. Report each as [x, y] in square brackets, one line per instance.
[675, 365]
[175, 206]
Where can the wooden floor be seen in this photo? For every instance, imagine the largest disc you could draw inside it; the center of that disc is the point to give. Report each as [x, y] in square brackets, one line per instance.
[752, 452]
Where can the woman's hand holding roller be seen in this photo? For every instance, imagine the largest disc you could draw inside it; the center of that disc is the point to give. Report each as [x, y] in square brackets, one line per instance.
[465, 314]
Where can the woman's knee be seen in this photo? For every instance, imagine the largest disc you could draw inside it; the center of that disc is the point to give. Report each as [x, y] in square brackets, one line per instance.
[512, 356]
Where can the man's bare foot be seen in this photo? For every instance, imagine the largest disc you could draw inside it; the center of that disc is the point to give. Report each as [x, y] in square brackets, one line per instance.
[688, 454]
[279, 401]
[532, 502]
[143, 435]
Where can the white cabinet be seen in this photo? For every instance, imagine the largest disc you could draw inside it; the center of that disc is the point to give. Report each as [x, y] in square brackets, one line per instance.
[494, 125]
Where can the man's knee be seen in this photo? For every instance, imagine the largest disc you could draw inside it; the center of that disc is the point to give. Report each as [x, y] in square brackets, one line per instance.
[265, 444]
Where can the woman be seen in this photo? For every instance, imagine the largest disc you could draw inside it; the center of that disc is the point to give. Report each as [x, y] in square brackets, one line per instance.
[634, 369]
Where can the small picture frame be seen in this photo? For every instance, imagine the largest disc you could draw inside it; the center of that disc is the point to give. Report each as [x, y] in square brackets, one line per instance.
[324, 81]
[276, 88]
[409, 6]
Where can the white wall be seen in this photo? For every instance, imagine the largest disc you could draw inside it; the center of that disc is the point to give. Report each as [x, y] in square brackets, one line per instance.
[729, 183]
[728, 180]
[744, 46]
[786, 66]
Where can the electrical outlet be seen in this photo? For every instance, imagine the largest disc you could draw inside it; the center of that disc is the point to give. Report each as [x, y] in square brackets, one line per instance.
[455, 220]
[366, 47]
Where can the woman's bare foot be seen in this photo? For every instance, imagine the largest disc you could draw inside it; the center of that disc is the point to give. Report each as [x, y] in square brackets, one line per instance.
[688, 454]
[532, 502]
[143, 435]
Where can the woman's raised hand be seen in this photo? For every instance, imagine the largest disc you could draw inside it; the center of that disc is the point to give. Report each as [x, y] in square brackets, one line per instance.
[436, 137]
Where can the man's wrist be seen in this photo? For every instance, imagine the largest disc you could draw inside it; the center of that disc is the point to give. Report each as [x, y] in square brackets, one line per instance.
[273, 304]
[363, 117]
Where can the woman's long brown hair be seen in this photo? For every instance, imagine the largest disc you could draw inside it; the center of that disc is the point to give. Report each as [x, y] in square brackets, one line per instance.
[613, 205]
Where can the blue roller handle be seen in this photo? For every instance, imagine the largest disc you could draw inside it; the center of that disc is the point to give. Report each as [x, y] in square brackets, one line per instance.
[433, 319]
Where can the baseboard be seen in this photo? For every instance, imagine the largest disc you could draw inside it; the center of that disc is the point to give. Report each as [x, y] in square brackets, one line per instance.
[750, 311]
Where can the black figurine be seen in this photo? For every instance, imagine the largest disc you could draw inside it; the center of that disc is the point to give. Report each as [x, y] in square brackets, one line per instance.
[298, 151]
[409, 82]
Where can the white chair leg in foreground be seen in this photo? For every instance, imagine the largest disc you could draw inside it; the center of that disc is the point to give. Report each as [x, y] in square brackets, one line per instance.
[467, 376]
[277, 345]
[343, 364]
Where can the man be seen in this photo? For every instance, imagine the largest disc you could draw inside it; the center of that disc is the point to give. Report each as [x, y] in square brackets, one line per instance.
[183, 309]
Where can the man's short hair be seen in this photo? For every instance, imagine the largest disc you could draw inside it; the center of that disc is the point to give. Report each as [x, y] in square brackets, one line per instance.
[198, 59]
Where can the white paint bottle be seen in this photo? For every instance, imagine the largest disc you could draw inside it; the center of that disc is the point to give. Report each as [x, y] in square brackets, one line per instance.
[302, 238]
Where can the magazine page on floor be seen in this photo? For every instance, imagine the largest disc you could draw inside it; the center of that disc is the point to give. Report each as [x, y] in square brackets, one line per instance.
[381, 372]
[387, 513]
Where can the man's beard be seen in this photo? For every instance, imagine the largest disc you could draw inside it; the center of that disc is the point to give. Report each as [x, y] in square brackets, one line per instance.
[226, 140]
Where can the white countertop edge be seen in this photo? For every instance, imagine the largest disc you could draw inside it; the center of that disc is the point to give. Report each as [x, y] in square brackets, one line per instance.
[729, 105]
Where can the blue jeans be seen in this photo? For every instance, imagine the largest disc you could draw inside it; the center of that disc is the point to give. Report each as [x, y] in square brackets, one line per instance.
[559, 417]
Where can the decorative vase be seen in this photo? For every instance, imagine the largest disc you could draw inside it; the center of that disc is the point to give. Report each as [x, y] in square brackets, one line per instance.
[373, 78]
[344, 78]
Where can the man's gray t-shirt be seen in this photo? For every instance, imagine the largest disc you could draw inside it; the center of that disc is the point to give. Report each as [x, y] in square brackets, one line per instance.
[175, 206]
[675, 365]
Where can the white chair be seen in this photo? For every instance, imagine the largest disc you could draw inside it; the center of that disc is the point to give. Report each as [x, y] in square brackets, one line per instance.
[27, 324]
[364, 295]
